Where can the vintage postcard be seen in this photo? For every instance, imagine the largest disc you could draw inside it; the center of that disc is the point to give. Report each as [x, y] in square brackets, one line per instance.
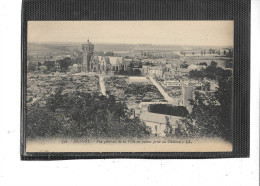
[129, 86]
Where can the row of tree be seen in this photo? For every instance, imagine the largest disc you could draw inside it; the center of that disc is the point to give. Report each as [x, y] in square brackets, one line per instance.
[228, 52]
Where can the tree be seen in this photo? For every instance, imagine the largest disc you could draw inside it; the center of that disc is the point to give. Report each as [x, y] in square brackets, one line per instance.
[184, 65]
[203, 64]
[224, 96]
[32, 67]
[186, 128]
[50, 65]
[211, 72]
[204, 119]
[109, 53]
[230, 53]
[131, 65]
[140, 64]
[81, 114]
[77, 60]
[206, 86]
[228, 63]
[41, 122]
[195, 74]
[64, 64]
[55, 100]
[149, 64]
[39, 64]
[212, 67]
[168, 130]
[211, 112]
[137, 72]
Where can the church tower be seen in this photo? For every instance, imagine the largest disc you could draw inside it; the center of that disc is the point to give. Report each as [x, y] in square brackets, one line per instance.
[88, 51]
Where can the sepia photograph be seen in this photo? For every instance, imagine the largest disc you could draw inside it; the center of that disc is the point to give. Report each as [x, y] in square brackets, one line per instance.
[135, 92]
[129, 86]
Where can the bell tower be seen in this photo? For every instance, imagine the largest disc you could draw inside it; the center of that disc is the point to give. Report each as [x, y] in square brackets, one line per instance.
[88, 51]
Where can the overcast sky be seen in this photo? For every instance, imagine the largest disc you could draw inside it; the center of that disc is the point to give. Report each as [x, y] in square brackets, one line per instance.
[212, 33]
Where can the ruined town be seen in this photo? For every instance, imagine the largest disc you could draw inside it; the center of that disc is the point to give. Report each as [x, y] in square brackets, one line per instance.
[165, 90]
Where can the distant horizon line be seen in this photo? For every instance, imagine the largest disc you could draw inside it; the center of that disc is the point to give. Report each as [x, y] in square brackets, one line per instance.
[147, 44]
